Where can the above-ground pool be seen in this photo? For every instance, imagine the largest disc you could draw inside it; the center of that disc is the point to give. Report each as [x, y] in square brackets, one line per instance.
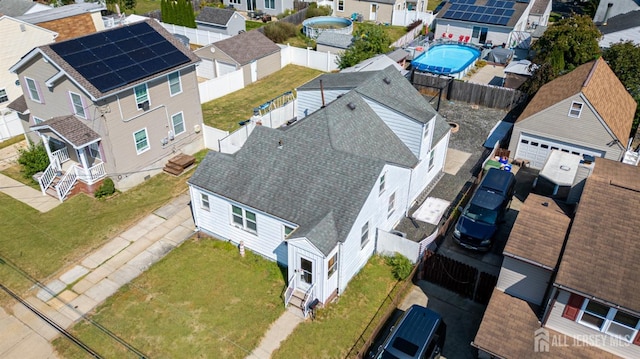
[312, 27]
[447, 59]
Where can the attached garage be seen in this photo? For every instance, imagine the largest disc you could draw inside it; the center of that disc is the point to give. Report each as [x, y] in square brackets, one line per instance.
[536, 149]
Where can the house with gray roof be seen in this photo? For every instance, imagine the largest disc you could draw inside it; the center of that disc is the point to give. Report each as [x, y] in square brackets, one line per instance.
[333, 42]
[222, 21]
[269, 7]
[15, 8]
[620, 28]
[250, 51]
[117, 103]
[313, 195]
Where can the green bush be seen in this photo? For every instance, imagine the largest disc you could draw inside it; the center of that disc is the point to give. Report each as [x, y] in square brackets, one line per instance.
[106, 189]
[286, 13]
[33, 159]
[280, 31]
[401, 266]
[315, 10]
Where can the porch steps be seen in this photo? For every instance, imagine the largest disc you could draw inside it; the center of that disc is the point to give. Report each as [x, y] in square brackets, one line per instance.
[51, 190]
[297, 300]
[178, 164]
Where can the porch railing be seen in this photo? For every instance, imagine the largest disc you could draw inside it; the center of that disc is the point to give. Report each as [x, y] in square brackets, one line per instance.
[91, 175]
[308, 297]
[62, 155]
[49, 175]
[290, 288]
[66, 183]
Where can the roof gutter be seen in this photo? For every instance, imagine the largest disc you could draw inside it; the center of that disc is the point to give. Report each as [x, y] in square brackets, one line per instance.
[528, 261]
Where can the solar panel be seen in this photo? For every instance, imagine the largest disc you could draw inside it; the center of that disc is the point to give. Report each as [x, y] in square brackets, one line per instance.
[463, 7]
[509, 12]
[473, 8]
[523, 1]
[491, 3]
[120, 56]
[508, 4]
[476, 17]
[494, 19]
[484, 18]
[454, 7]
[499, 4]
[499, 12]
[448, 14]
[458, 15]
[503, 20]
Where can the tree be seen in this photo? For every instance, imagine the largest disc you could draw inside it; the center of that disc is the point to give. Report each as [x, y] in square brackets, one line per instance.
[178, 12]
[566, 45]
[624, 60]
[370, 40]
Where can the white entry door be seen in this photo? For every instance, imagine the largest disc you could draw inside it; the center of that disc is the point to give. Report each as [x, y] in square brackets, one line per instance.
[254, 71]
[373, 13]
[305, 273]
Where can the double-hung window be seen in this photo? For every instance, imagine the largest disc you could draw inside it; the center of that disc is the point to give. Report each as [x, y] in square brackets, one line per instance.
[576, 109]
[332, 265]
[392, 204]
[340, 5]
[364, 235]
[204, 202]
[270, 4]
[381, 187]
[609, 320]
[244, 219]
[142, 96]
[78, 106]
[431, 159]
[3, 96]
[32, 86]
[141, 140]
[175, 87]
[177, 122]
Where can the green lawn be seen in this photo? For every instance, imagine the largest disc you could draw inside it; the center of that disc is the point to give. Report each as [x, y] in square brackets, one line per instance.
[201, 301]
[432, 5]
[250, 25]
[224, 113]
[337, 327]
[145, 6]
[43, 243]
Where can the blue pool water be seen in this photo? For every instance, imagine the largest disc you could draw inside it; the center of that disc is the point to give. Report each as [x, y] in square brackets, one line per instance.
[446, 59]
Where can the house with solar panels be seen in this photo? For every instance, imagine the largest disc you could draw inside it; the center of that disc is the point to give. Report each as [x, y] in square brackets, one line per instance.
[316, 195]
[491, 22]
[116, 103]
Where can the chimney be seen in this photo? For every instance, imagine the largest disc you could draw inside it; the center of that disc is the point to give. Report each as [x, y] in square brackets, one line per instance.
[606, 14]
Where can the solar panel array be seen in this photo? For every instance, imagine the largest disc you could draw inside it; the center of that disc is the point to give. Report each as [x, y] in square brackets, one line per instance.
[118, 57]
[495, 12]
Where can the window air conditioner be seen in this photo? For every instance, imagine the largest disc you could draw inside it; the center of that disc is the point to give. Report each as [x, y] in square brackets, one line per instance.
[144, 105]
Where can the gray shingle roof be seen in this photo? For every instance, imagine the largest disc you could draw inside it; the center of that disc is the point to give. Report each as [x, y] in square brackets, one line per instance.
[440, 129]
[338, 40]
[15, 8]
[214, 15]
[93, 91]
[61, 12]
[71, 129]
[320, 178]
[19, 105]
[247, 46]
[387, 87]
[621, 22]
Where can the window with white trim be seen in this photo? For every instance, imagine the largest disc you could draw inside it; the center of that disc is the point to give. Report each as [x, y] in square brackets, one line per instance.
[3, 96]
[94, 150]
[364, 235]
[287, 231]
[609, 320]
[204, 201]
[340, 5]
[37, 120]
[270, 4]
[392, 204]
[78, 107]
[576, 109]
[381, 187]
[431, 159]
[34, 94]
[244, 219]
[142, 95]
[332, 265]
[177, 122]
[141, 140]
[175, 86]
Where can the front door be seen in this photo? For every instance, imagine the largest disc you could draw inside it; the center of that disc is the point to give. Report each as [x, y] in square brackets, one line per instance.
[251, 5]
[306, 273]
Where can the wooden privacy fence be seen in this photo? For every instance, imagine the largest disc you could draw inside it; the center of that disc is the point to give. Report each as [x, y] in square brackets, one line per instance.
[459, 277]
[479, 94]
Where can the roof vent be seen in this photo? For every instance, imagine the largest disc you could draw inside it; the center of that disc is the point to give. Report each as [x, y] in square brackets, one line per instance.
[280, 144]
[386, 80]
[351, 105]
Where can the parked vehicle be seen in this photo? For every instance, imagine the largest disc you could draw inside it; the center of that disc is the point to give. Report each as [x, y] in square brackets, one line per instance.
[419, 333]
[479, 220]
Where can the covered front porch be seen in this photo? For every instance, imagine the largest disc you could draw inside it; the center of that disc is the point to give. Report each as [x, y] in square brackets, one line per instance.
[75, 155]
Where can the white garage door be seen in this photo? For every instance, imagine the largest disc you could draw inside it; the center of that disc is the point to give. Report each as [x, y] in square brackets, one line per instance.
[536, 149]
[205, 69]
[225, 68]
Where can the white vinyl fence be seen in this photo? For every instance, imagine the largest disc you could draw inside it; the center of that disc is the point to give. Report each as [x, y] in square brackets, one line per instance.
[220, 86]
[196, 36]
[390, 243]
[406, 17]
[10, 125]
[323, 61]
[212, 135]
[408, 37]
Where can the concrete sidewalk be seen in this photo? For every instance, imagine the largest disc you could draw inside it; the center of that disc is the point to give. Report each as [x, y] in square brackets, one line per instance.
[277, 333]
[34, 198]
[81, 288]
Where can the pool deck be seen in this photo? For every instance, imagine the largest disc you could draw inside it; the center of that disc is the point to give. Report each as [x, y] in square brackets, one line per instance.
[489, 74]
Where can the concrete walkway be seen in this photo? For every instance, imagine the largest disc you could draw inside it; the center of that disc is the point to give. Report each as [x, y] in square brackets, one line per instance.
[81, 288]
[17, 190]
[277, 333]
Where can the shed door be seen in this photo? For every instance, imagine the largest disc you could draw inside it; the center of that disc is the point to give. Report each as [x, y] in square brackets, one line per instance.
[373, 14]
[536, 149]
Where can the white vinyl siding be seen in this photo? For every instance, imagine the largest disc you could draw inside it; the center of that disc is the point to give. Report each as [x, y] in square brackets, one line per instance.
[523, 280]
[177, 123]
[175, 86]
[364, 235]
[409, 131]
[204, 202]
[206, 69]
[141, 141]
[309, 101]
[32, 87]
[224, 69]
[78, 105]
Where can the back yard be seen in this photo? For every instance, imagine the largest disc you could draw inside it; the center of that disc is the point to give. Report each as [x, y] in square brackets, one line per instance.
[204, 300]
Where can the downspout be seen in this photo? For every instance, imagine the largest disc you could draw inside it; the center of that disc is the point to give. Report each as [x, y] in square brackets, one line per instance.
[339, 267]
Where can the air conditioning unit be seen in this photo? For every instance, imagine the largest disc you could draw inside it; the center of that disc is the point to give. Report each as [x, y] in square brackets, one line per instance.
[144, 105]
[164, 141]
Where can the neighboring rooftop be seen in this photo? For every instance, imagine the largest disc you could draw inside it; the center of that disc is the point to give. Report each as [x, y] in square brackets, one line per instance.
[600, 86]
[603, 238]
[623, 27]
[61, 12]
[15, 8]
[539, 6]
[510, 325]
[334, 39]
[19, 105]
[215, 15]
[246, 47]
[539, 231]
[376, 63]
